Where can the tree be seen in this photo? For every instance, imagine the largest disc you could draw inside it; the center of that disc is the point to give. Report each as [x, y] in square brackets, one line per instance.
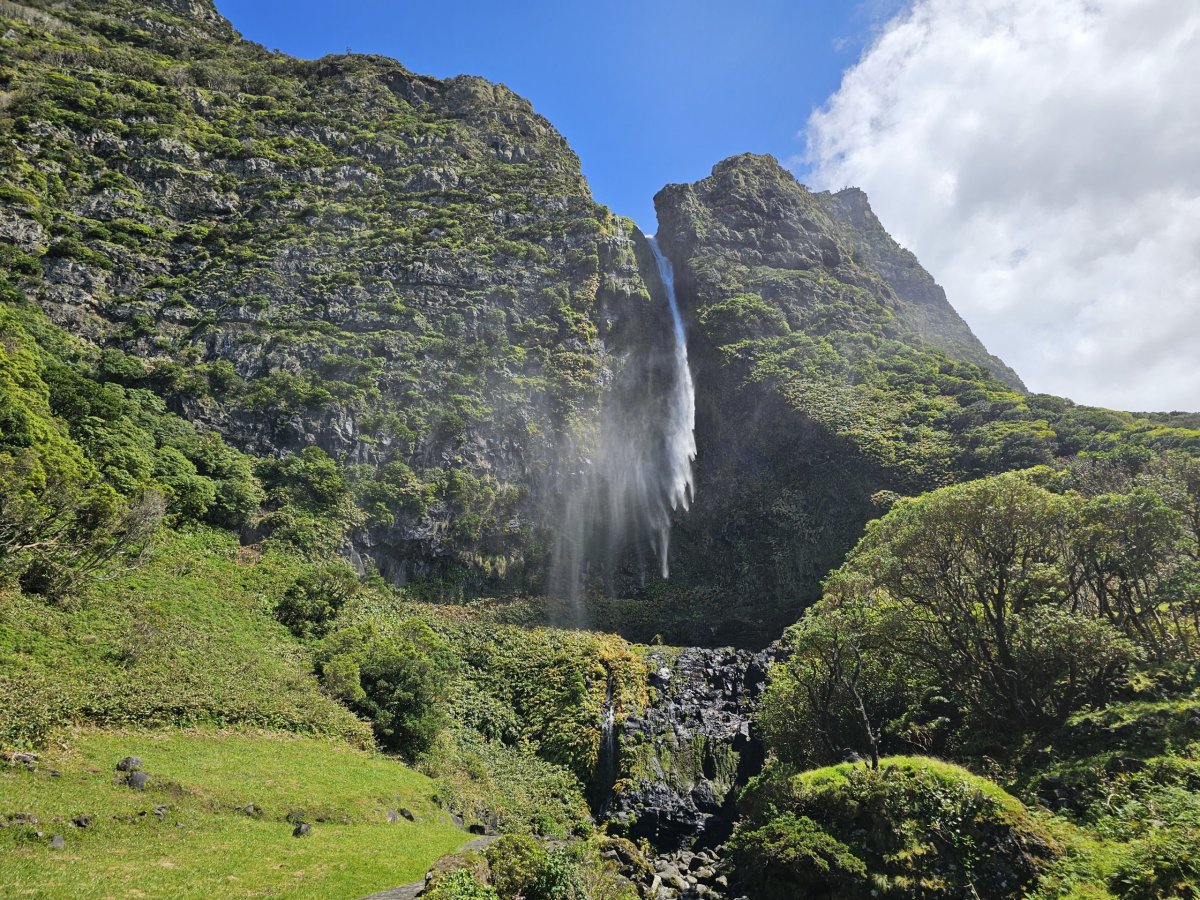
[397, 678]
[309, 606]
[1126, 550]
[837, 681]
[968, 594]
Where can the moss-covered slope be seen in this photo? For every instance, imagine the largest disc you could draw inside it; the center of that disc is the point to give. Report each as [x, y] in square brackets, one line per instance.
[407, 273]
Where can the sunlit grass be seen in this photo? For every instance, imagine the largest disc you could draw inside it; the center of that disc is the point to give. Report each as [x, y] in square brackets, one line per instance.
[202, 844]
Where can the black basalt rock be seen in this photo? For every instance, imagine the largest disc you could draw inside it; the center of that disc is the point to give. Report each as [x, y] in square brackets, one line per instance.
[694, 746]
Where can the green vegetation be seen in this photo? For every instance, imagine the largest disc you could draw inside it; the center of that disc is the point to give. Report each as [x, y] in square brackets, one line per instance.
[915, 827]
[297, 360]
[337, 259]
[518, 867]
[837, 377]
[222, 828]
[89, 469]
[993, 608]
[187, 639]
[1042, 625]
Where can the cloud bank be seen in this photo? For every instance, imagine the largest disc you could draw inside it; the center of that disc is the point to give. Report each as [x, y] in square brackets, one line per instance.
[1042, 159]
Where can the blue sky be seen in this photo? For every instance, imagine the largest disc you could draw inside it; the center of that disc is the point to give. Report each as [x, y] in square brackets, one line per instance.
[647, 93]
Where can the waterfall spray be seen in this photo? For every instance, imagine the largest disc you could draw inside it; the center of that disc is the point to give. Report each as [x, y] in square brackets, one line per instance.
[640, 474]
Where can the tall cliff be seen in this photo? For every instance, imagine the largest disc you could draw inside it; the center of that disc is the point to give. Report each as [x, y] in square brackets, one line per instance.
[831, 376]
[408, 274]
[396, 299]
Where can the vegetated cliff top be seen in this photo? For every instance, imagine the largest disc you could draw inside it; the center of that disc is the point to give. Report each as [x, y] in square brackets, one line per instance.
[831, 374]
[762, 216]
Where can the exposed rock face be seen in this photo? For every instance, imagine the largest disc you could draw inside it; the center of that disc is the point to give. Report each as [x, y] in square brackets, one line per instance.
[685, 756]
[926, 311]
[829, 370]
[339, 253]
[411, 276]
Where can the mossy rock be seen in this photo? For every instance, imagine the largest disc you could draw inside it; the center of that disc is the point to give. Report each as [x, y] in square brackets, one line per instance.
[914, 828]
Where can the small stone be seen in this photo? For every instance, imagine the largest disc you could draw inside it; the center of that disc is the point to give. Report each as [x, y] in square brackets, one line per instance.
[252, 810]
[295, 817]
[407, 813]
[58, 843]
[54, 773]
[674, 880]
[393, 817]
[82, 821]
[303, 829]
[160, 811]
[137, 780]
[130, 764]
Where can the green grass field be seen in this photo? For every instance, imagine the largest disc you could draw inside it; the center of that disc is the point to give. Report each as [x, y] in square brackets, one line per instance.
[203, 844]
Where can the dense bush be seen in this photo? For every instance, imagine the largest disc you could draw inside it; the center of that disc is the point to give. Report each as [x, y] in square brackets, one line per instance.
[914, 828]
[459, 885]
[395, 677]
[516, 861]
[310, 605]
[1163, 865]
[983, 610]
[89, 468]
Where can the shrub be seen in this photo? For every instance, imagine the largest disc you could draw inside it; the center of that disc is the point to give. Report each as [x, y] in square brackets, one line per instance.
[516, 861]
[792, 856]
[1166, 864]
[459, 885]
[309, 606]
[558, 878]
[396, 679]
[919, 827]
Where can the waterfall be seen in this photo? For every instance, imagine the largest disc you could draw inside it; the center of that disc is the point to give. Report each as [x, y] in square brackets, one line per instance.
[680, 426]
[620, 509]
[606, 754]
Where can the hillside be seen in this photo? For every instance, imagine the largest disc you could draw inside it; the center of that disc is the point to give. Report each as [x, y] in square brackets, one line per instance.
[406, 274]
[831, 375]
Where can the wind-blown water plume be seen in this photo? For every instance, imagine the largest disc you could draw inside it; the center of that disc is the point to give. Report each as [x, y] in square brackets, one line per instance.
[640, 475]
[680, 428]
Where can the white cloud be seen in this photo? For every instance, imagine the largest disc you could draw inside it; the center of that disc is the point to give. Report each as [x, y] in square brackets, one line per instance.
[1042, 159]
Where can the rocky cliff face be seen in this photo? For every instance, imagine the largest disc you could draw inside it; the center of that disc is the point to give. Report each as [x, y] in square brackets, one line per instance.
[684, 758]
[924, 309]
[829, 369]
[342, 258]
[407, 273]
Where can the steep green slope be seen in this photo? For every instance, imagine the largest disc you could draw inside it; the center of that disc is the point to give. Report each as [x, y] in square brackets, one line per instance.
[406, 273]
[187, 639]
